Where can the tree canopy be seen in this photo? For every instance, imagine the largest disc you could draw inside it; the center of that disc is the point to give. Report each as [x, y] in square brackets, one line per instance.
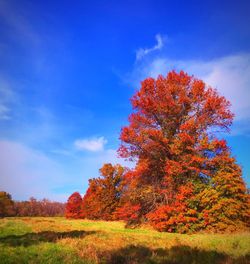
[103, 195]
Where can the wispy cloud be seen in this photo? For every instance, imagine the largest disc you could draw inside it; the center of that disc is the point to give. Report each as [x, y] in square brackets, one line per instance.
[4, 112]
[41, 175]
[7, 97]
[17, 22]
[142, 52]
[93, 144]
[107, 156]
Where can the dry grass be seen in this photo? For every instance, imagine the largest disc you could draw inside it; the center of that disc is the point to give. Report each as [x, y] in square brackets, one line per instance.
[58, 240]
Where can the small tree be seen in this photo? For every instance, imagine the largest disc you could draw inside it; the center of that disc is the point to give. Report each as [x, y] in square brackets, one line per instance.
[103, 194]
[73, 206]
[6, 204]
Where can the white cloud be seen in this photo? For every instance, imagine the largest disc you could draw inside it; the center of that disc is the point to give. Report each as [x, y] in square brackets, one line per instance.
[109, 156]
[93, 144]
[26, 172]
[140, 53]
[230, 75]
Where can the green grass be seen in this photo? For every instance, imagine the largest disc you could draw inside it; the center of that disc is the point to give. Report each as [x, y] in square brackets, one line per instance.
[58, 240]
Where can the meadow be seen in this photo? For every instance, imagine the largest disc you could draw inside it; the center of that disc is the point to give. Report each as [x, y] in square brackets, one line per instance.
[59, 240]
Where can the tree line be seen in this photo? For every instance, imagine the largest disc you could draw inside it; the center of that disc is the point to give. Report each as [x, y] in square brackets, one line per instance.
[185, 178]
[32, 207]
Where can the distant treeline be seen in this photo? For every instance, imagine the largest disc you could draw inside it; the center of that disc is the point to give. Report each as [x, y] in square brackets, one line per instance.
[32, 207]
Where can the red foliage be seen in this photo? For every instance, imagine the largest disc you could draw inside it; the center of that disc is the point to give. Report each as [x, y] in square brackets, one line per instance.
[171, 135]
[177, 216]
[73, 206]
[127, 212]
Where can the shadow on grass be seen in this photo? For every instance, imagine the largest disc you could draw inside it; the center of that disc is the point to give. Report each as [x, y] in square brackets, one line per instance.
[175, 255]
[45, 236]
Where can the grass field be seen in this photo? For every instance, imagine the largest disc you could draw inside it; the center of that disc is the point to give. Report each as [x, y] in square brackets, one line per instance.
[58, 240]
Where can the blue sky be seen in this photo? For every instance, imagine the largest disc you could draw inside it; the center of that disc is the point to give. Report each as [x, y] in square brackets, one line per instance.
[68, 69]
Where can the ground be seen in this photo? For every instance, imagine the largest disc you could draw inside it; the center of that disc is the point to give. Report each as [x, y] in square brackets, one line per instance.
[59, 240]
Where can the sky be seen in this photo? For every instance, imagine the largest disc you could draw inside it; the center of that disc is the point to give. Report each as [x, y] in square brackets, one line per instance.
[68, 70]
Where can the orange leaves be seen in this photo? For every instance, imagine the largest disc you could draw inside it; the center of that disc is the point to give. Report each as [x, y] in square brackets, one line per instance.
[184, 192]
[219, 144]
[173, 168]
[186, 138]
[143, 98]
[188, 125]
[103, 195]
[176, 216]
[216, 110]
[127, 212]
[197, 90]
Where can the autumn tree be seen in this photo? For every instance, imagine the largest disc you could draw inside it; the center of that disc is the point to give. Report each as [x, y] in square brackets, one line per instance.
[185, 176]
[6, 204]
[73, 206]
[103, 194]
